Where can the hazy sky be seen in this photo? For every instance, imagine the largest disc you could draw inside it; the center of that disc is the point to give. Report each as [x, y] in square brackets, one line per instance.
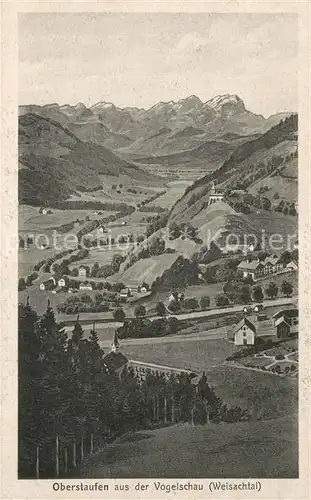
[140, 59]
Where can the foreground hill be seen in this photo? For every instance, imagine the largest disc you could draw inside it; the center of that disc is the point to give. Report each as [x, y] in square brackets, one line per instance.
[238, 450]
[54, 163]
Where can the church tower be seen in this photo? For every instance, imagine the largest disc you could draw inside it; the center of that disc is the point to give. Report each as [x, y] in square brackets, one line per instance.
[115, 343]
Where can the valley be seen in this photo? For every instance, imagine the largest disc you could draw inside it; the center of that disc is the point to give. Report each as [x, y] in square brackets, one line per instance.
[125, 220]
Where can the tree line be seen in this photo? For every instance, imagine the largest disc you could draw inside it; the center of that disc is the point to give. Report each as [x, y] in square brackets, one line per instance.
[67, 390]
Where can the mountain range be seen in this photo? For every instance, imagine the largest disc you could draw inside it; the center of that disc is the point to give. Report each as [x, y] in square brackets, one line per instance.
[167, 128]
[64, 148]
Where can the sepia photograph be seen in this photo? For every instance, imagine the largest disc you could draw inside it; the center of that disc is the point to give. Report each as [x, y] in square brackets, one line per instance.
[158, 250]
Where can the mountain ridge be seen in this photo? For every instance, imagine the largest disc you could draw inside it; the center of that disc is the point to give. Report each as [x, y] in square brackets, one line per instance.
[55, 163]
[128, 127]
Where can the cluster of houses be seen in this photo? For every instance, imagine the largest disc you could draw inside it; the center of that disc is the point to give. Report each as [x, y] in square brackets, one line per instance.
[257, 269]
[218, 194]
[53, 284]
[62, 284]
[282, 324]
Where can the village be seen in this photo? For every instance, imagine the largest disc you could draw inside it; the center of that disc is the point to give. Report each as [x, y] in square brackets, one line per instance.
[252, 294]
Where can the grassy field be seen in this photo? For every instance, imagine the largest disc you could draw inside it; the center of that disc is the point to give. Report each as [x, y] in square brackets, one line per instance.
[264, 394]
[28, 258]
[102, 255]
[122, 192]
[266, 449]
[175, 190]
[196, 355]
[41, 227]
[147, 269]
[29, 218]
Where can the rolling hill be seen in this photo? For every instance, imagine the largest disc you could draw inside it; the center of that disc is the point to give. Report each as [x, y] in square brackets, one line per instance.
[54, 163]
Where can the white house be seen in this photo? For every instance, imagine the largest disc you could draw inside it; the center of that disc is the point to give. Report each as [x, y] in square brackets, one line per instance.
[82, 272]
[292, 266]
[173, 296]
[44, 211]
[125, 292]
[62, 282]
[85, 286]
[243, 333]
[48, 284]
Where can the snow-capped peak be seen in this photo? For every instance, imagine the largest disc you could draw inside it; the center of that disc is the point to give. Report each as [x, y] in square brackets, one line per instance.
[227, 101]
[103, 105]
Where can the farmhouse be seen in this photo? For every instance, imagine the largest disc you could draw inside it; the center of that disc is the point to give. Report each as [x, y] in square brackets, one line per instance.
[175, 296]
[82, 272]
[272, 265]
[215, 194]
[283, 324]
[86, 286]
[125, 292]
[48, 284]
[243, 333]
[258, 269]
[292, 266]
[253, 268]
[62, 282]
[286, 322]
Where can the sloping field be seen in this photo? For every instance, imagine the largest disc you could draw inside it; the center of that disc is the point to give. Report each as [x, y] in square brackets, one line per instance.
[174, 191]
[147, 269]
[197, 355]
[265, 395]
[245, 227]
[265, 449]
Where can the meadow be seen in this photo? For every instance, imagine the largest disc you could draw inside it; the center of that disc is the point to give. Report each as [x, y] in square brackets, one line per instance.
[174, 191]
[147, 269]
[263, 449]
[29, 218]
[196, 355]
